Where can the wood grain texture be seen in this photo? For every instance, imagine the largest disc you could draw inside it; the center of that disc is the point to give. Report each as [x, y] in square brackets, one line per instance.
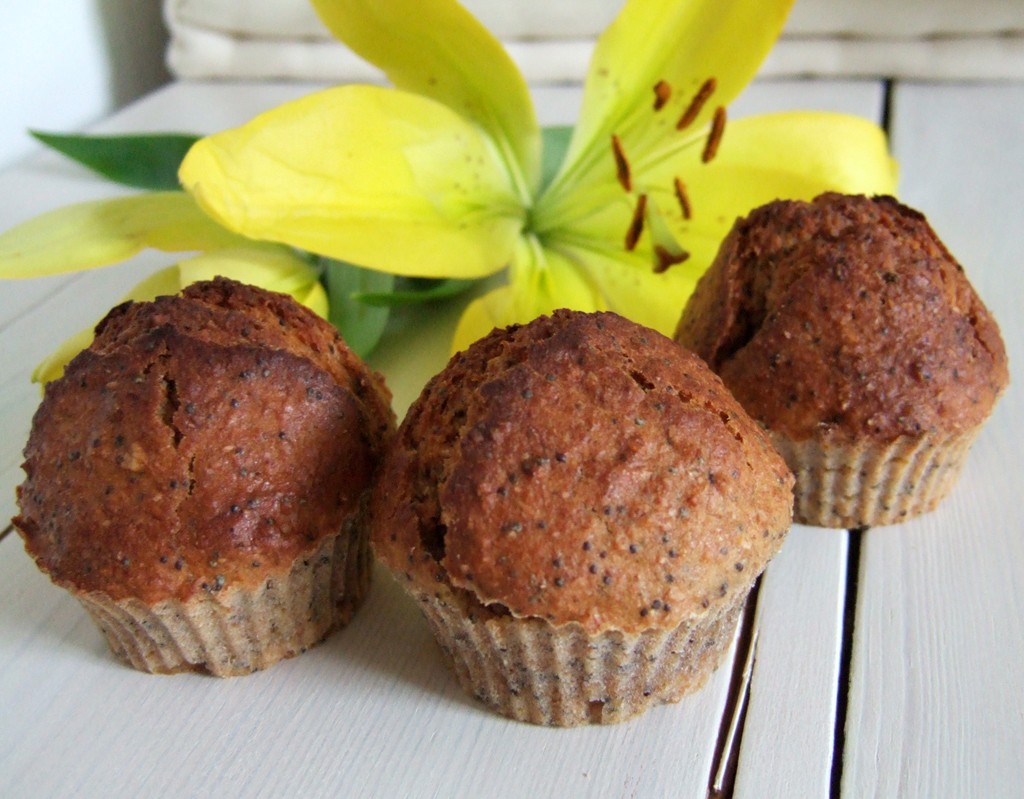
[936, 701]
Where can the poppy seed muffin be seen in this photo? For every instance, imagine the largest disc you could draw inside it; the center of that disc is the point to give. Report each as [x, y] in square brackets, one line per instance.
[580, 509]
[198, 478]
[847, 329]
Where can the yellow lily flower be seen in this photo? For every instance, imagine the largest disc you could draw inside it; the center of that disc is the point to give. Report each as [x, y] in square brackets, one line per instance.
[440, 176]
[102, 232]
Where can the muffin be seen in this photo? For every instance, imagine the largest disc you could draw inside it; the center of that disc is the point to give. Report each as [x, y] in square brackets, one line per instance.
[849, 331]
[198, 479]
[580, 508]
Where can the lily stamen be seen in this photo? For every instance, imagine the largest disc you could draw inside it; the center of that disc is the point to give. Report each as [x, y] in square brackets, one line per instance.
[621, 164]
[715, 136]
[667, 258]
[636, 224]
[697, 103]
[683, 198]
[662, 94]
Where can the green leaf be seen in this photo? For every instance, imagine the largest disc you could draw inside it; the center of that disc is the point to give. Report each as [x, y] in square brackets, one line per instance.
[361, 325]
[143, 161]
[418, 291]
[555, 142]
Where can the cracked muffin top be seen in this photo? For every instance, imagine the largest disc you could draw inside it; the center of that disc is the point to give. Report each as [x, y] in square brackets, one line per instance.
[581, 469]
[201, 440]
[847, 318]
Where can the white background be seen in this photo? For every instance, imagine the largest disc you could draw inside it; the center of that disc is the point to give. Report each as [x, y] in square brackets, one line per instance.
[67, 63]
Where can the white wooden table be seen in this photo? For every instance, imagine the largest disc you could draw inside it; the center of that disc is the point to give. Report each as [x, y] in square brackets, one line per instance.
[884, 663]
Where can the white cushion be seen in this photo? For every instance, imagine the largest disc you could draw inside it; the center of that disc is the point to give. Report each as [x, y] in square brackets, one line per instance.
[551, 40]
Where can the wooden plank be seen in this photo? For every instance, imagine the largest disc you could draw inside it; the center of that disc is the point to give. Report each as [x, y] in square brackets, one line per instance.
[936, 707]
[789, 729]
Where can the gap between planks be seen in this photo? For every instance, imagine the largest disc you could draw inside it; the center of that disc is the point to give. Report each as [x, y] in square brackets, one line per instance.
[845, 659]
[722, 777]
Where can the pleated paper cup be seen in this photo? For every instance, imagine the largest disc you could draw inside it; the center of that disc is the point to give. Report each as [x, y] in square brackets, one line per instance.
[532, 671]
[239, 630]
[866, 484]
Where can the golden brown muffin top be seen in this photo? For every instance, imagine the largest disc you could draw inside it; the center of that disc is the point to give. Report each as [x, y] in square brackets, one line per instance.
[846, 317]
[581, 469]
[201, 441]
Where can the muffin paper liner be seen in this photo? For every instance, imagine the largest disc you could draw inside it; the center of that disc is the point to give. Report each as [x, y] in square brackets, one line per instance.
[862, 485]
[238, 630]
[533, 671]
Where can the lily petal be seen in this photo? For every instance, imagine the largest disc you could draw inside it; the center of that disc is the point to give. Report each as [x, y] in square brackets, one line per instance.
[792, 155]
[372, 176]
[438, 49]
[540, 282]
[483, 315]
[677, 47]
[627, 284]
[273, 268]
[104, 232]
